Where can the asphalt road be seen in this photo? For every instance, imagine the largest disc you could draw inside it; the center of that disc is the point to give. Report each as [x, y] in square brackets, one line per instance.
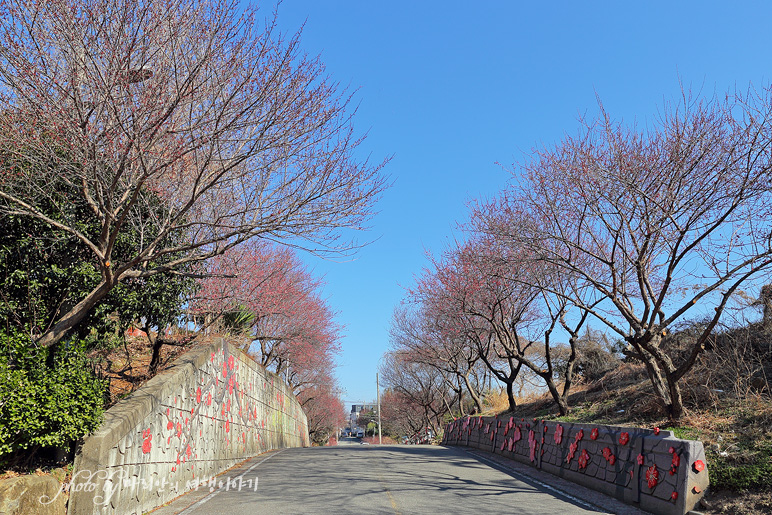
[373, 479]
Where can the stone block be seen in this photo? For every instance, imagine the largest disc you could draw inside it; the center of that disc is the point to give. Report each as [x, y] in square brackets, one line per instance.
[32, 495]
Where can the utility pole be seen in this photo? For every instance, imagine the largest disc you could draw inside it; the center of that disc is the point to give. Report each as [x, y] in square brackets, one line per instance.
[378, 400]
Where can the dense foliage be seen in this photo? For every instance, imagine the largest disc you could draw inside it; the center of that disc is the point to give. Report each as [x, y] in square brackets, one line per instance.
[48, 399]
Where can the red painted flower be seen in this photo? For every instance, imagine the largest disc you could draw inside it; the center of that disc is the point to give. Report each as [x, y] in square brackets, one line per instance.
[699, 466]
[656, 430]
[612, 459]
[640, 459]
[676, 460]
[624, 438]
[558, 434]
[594, 433]
[170, 425]
[146, 446]
[571, 451]
[652, 476]
[671, 450]
[198, 395]
[532, 444]
[674, 495]
[584, 459]
[606, 453]
[579, 435]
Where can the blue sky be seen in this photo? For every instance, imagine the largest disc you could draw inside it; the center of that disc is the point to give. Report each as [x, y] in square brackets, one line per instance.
[450, 89]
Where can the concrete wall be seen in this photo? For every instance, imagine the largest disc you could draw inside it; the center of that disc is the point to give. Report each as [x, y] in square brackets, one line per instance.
[656, 472]
[212, 409]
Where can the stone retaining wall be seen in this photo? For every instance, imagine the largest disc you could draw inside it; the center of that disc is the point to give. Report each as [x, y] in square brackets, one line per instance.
[646, 468]
[213, 408]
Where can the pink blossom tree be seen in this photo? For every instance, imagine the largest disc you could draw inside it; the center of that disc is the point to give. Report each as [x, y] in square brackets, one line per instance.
[290, 329]
[652, 224]
[196, 124]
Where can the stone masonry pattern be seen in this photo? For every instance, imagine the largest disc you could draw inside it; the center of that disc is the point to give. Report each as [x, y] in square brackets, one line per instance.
[647, 468]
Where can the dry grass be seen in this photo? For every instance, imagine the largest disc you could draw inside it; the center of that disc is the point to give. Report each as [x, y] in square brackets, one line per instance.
[497, 402]
[126, 366]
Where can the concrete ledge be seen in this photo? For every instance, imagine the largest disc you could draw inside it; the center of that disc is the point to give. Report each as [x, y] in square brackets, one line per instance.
[212, 409]
[653, 471]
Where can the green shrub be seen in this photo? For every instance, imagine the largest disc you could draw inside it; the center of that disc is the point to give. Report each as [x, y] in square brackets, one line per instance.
[45, 400]
[757, 474]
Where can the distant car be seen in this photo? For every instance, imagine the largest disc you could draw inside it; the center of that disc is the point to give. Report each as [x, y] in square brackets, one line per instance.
[360, 434]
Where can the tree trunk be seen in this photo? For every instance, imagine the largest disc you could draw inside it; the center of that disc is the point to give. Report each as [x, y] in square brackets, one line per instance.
[663, 385]
[155, 361]
[74, 316]
[559, 399]
[511, 395]
[676, 408]
[473, 393]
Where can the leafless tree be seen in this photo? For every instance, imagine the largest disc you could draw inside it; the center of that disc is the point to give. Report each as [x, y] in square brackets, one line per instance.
[655, 223]
[419, 337]
[190, 121]
[418, 384]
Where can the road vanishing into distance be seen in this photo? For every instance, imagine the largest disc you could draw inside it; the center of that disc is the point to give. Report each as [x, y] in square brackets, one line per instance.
[373, 479]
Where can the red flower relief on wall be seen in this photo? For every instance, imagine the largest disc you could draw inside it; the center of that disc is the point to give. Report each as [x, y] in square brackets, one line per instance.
[594, 433]
[640, 459]
[652, 476]
[584, 459]
[558, 434]
[532, 444]
[675, 463]
[699, 466]
[571, 451]
[517, 434]
[624, 438]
